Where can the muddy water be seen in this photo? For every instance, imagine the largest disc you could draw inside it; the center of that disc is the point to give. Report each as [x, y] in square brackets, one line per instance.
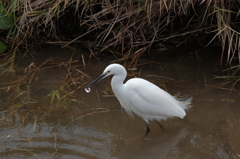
[95, 126]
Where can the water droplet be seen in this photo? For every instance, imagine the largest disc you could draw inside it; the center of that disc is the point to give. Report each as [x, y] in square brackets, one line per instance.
[87, 90]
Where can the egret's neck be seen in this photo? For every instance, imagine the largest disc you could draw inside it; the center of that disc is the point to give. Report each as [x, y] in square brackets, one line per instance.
[119, 89]
[117, 83]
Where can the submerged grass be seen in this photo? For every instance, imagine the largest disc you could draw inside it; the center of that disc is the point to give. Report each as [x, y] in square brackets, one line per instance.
[16, 90]
[232, 79]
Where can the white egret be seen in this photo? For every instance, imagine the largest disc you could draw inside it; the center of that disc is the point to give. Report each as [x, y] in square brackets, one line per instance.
[142, 97]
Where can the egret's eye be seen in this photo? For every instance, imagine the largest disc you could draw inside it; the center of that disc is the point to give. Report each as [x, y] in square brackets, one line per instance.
[107, 72]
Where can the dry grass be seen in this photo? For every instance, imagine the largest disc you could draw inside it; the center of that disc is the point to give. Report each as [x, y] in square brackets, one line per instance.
[131, 27]
[17, 85]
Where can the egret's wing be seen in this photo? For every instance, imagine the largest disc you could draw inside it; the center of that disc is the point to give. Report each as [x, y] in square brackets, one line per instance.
[148, 99]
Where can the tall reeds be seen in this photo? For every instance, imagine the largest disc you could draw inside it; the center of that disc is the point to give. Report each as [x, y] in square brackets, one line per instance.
[130, 26]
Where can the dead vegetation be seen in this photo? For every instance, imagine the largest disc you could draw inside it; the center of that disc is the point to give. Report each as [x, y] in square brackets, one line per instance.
[130, 27]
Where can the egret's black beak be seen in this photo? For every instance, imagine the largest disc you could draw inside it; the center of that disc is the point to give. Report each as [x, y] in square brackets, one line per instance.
[97, 79]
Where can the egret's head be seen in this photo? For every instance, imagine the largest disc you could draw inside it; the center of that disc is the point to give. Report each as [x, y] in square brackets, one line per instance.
[113, 69]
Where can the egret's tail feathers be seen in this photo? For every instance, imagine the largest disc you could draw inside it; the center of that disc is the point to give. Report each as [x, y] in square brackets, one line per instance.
[185, 103]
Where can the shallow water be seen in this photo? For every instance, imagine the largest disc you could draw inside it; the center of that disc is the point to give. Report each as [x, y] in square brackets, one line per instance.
[95, 126]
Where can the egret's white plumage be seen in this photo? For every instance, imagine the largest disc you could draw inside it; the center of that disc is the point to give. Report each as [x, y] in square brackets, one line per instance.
[143, 97]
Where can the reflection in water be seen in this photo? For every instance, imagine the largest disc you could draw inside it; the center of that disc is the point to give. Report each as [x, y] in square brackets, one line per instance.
[113, 135]
[92, 137]
[157, 147]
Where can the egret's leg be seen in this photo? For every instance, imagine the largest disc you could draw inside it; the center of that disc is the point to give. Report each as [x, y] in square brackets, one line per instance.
[160, 125]
[148, 129]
